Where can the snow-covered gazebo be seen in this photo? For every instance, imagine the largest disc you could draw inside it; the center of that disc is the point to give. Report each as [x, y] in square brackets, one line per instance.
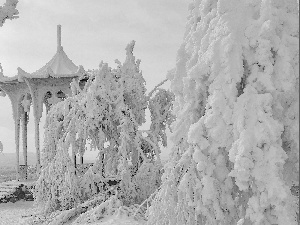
[48, 85]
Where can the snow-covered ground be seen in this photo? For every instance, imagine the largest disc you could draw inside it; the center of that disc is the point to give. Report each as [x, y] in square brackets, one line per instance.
[116, 220]
[16, 213]
[21, 212]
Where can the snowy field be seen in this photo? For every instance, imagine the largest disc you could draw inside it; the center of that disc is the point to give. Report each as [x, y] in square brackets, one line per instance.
[20, 213]
[16, 213]
[116, 220]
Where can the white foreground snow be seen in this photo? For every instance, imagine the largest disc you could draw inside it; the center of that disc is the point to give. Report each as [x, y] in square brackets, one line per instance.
[116, 220]
[15, 213]
[20, 213]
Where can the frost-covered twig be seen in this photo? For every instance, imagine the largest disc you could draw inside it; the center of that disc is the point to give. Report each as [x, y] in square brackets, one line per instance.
[150, 198]
[155, 88]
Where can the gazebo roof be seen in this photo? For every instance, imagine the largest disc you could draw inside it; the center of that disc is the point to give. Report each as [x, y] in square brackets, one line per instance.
[59, 66]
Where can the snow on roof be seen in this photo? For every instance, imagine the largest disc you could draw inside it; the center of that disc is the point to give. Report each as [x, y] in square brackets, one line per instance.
[59, 66]
[6, 79]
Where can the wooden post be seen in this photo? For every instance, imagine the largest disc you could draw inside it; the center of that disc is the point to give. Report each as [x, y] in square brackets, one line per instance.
[74, 157]
[75, 161]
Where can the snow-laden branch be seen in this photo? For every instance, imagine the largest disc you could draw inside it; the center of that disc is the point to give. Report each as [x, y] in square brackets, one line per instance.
[236, 150]
[8, 11]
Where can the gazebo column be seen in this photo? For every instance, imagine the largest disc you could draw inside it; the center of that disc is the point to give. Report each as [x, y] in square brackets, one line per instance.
[37, 113]
[37, 143]
[17, 141]
[24, 137]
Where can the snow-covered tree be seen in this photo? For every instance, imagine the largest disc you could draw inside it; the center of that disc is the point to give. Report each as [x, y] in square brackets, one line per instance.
[8, 11]
[106, 112]
[235, 158]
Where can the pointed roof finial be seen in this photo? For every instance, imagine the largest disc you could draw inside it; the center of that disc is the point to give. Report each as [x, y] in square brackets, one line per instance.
[58, 37]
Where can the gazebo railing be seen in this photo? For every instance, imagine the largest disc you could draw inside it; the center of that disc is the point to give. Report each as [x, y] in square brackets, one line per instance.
[27, 173]
[30, 173]
[82, 168]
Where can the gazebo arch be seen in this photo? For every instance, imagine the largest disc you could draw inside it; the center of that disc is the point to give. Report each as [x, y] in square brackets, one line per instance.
[55, 77]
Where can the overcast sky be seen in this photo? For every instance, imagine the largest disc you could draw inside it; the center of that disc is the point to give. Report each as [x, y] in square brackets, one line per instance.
[92, 31]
